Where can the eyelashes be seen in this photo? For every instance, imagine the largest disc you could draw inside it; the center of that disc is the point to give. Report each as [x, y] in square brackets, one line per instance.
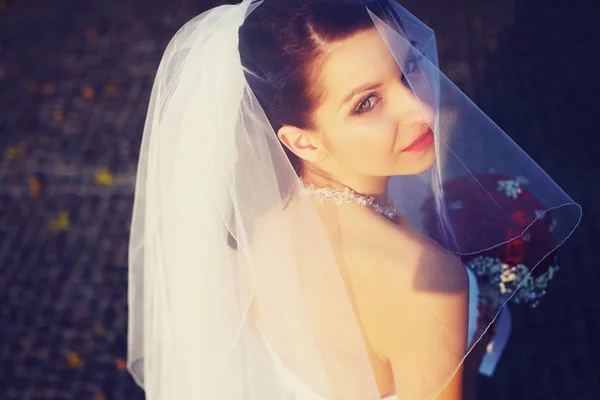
[367, 103]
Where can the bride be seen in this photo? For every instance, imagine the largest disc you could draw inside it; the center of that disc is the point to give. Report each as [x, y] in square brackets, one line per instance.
[295, 232]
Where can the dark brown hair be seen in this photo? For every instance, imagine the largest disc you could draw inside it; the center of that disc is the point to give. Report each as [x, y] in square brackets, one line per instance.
[282, 44]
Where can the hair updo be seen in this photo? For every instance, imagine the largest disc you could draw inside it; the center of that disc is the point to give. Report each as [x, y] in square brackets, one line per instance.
[283, 44]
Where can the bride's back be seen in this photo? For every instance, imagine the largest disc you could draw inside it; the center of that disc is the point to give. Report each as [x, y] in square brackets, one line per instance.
[383, 265]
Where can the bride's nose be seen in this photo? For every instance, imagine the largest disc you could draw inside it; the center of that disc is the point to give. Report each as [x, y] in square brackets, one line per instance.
[410, 110]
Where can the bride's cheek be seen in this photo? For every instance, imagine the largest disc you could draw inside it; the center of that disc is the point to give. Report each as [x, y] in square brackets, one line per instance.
[389, 131]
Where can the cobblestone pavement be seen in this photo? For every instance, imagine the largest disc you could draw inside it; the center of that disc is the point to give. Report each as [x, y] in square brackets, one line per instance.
[74, 85]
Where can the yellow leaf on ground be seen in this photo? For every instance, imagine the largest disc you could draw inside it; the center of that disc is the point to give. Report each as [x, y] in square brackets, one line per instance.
[62, 222]
[111, 88]
[74, 360]
[14, 152]
[104, 177]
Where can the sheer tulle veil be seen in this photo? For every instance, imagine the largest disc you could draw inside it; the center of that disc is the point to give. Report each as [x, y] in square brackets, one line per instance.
[219, 223]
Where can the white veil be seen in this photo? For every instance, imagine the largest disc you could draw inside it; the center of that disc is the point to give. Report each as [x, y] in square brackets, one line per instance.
[219, 228]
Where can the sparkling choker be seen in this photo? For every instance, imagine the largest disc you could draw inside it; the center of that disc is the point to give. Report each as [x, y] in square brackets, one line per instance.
[348, 195]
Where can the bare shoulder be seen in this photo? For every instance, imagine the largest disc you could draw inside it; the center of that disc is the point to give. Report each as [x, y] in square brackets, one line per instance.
[407, 287]
[403, 254]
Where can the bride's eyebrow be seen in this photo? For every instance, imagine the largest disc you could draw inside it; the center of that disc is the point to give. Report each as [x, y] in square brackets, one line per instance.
[360, 89]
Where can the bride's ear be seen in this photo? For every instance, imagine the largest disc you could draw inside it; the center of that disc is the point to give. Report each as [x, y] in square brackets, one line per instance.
[303, 143]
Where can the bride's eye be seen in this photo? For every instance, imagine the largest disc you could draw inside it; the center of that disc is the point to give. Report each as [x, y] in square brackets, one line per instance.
[367, 104]
[412, 63]
[411, 67]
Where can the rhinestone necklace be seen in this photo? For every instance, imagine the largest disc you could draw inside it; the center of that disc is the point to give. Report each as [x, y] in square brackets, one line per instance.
[348, 195]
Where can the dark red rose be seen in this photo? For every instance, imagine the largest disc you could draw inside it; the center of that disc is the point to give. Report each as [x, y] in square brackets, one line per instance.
[520, 218]
[483, 216]
[514, 251]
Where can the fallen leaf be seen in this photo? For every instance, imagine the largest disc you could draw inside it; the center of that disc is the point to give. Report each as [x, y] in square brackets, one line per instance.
[35, 186]
[111, 88]
[74, 360]
[62, 222]
[59, 115]
[100, 331]
[104, 177]
[89, 93]
[14, 152]
[120, 364]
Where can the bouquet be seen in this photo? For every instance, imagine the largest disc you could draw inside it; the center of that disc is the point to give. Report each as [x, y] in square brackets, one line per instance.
[507, 270]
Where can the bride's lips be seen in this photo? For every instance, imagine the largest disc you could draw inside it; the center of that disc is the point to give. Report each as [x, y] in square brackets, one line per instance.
[422, 142]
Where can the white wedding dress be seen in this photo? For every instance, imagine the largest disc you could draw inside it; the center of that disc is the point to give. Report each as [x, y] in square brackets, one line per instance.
[302, 392]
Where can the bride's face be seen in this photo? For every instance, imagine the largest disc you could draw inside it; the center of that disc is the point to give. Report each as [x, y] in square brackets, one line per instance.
[369, 121]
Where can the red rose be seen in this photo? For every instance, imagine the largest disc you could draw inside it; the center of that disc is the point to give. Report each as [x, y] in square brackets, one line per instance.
[520, 218]
[514, 250]
[483, 216]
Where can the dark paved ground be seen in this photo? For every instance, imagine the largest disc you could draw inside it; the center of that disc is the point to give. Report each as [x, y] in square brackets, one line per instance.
[74, 85]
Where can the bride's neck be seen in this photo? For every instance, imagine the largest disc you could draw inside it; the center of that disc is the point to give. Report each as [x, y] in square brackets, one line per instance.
[366, 185]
